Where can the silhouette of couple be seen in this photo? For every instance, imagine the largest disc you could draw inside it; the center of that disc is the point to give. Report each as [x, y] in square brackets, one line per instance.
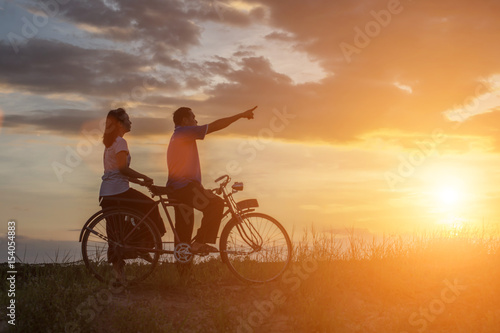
[184, 177]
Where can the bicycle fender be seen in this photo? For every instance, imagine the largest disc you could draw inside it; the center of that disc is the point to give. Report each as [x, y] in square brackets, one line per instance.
[105, 210]
[88, 222]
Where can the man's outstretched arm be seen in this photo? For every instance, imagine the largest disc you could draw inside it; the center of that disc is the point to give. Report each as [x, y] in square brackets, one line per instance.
[225, 122]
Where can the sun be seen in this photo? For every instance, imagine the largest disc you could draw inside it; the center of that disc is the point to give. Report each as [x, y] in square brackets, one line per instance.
[450, 201]
[449, 195]
[448, 192]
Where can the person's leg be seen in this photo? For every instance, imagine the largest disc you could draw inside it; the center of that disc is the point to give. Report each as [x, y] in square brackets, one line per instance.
[144, 207]
[184, 214]
[212, 217]
[184, 223]
[212, 207]
[113, 256]
[106, 202]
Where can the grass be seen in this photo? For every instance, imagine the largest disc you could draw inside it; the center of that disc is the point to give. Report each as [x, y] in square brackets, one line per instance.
[439, 282]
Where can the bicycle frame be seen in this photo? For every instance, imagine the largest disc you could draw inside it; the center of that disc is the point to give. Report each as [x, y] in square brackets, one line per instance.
[250, 236]
[235, 209]
[165, 202]
[247, 241]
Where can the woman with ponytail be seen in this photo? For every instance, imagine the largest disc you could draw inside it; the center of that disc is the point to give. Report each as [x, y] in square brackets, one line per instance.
[116, 178]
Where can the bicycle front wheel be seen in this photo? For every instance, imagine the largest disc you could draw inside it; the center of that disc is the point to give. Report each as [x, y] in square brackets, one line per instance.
[120, 246]
[255, 247]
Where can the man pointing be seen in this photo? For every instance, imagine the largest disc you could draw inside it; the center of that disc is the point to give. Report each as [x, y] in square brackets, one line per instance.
[184, 178]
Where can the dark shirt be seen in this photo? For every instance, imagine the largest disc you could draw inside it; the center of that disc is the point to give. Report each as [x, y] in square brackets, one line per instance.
[182, 156]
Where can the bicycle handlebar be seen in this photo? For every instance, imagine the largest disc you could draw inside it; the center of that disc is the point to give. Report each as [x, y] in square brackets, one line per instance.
[220, 178]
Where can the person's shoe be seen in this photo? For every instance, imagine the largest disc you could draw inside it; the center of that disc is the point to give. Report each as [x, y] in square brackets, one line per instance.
[119, 272]
[203, 248]
[146, 256]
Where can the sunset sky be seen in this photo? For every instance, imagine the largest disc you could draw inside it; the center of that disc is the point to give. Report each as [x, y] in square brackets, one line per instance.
[375, 115]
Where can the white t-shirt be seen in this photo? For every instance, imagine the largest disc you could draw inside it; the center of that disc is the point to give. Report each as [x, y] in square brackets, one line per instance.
[113, 181]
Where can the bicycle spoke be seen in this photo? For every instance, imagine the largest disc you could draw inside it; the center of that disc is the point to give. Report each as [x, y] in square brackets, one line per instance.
[252, 261]
[116, 247]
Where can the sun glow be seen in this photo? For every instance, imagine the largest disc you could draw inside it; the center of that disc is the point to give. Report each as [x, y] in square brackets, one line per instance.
[450, 198]
[448, 190]
[449, 195]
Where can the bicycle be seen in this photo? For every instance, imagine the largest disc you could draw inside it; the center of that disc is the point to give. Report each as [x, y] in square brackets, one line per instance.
[254, 246]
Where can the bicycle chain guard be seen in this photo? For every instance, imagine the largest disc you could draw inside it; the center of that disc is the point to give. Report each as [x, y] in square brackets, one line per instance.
[182, 253]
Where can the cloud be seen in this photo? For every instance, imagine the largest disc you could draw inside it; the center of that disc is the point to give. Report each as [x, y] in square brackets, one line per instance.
[403, 87]
[280, 36]
[49, 67]
[72, 122]
[163, 22]
[432, 46]
[426, 49]
[62, 121]
[157, 25]
[332, 110]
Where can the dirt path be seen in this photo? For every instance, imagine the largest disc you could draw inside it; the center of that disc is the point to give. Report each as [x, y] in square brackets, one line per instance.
[209, 308]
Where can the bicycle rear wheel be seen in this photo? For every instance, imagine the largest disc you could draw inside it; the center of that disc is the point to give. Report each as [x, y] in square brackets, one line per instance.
[256, 248]
[118, 247]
